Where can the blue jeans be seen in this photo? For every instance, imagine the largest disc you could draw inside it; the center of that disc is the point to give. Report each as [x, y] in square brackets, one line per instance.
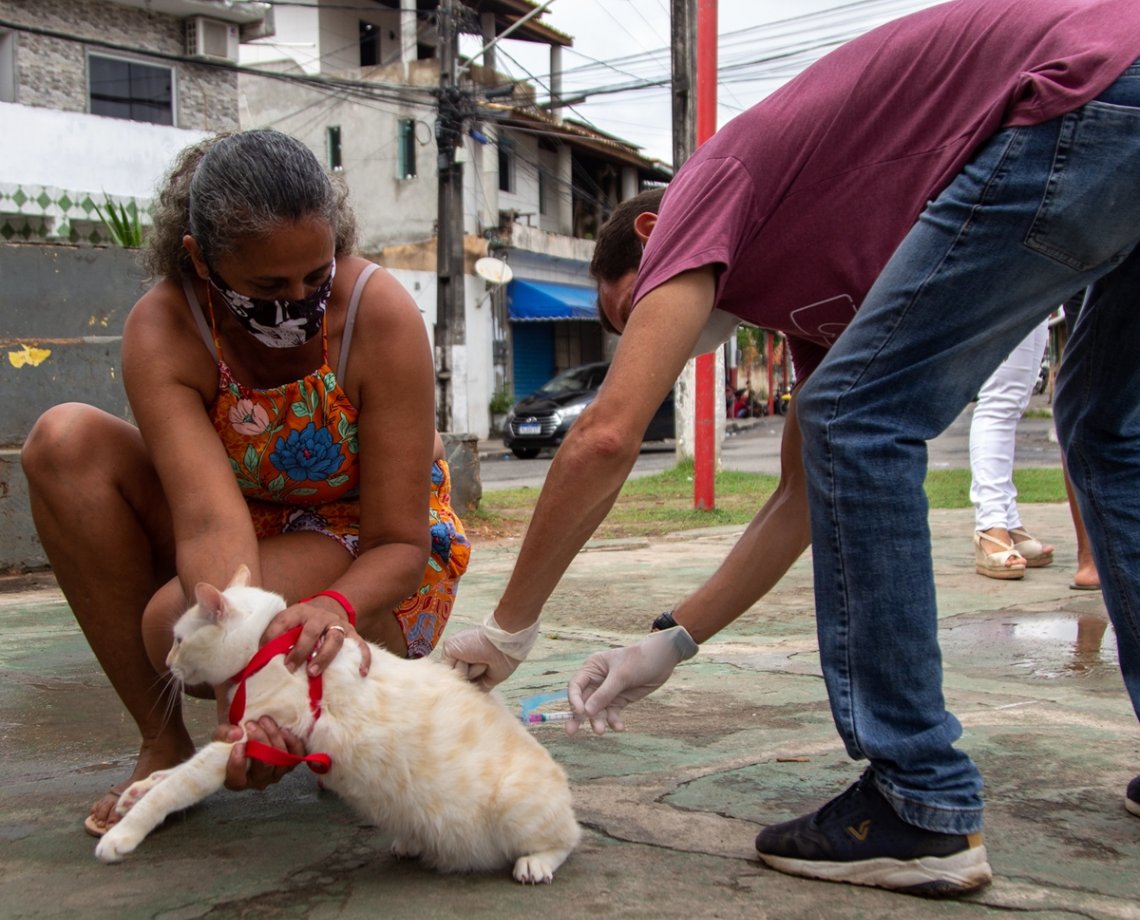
[1039, 213]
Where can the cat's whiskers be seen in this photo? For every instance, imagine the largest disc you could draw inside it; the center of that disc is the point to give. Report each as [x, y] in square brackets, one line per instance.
[169, 695]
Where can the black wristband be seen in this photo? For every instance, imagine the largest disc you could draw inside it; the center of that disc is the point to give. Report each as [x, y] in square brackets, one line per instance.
[663, 621]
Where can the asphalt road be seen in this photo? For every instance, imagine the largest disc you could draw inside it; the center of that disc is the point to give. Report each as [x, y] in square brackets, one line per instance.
[756, 449]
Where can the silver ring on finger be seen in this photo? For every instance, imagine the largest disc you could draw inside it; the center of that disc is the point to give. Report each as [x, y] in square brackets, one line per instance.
[340, 629]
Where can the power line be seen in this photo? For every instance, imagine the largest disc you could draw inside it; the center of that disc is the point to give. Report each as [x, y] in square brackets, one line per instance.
[794, 42]
[374, 90]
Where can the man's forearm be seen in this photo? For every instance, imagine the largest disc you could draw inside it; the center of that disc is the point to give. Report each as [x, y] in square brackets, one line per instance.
[565, 517]
[774, 540]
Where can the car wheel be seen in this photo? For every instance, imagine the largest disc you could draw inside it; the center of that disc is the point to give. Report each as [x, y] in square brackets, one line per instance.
[525, 453]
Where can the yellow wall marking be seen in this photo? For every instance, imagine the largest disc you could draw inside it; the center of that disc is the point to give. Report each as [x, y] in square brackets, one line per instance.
[28, 356]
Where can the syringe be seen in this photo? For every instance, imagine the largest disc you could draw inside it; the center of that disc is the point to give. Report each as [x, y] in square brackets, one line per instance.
[536, 717]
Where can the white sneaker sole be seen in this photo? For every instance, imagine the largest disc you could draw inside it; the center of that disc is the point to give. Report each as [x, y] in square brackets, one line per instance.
[932, 876]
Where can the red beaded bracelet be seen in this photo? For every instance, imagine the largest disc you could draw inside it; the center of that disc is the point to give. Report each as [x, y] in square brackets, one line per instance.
[340, 599]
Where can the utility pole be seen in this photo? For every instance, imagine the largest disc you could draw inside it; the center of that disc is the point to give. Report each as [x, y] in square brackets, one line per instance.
[450, 322]
[683, 20]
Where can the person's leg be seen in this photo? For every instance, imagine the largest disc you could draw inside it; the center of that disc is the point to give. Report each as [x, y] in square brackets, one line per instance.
[1029, 354]
[295, 565]
[104, 524]
[993, 435]
[1086, 577]
[1097, 408]
[1003, 548]
[1098, 420]
[1041, 212]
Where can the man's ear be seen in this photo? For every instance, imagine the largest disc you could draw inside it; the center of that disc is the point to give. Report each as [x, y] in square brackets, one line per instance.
[191, 246]
[643, 225]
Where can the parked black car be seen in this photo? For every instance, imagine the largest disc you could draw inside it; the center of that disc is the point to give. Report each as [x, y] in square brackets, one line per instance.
[543, 418]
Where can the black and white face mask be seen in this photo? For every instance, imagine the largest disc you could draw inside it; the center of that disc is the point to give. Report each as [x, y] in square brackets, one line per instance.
[278, 323]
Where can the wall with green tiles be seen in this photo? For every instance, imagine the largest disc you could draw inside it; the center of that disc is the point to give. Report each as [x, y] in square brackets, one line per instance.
[41, 213]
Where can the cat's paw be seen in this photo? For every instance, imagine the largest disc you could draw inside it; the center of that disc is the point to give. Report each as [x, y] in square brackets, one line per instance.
[534, 868]
[137, 790]
[117, 843]
[405, 849]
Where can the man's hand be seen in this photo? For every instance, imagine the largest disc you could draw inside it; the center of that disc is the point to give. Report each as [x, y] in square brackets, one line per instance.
[610, 680]
[244, 773]
[488, 655]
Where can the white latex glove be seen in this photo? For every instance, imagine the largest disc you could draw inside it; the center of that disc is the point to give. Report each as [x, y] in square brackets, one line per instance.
[610, 680]
[487, 655]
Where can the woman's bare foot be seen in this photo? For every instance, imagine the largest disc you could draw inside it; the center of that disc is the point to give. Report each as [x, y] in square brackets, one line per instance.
[153, 755]
[1087, 578]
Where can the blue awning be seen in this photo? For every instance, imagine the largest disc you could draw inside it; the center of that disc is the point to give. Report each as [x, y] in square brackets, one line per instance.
[533, 301]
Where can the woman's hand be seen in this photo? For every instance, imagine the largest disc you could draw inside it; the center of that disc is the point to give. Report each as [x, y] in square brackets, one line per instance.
[246, 773]
[325, 630]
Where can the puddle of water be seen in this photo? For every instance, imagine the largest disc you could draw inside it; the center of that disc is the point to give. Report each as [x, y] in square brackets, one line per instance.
[1050, 645]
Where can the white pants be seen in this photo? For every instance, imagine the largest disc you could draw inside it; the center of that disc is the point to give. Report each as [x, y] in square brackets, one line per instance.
[993, 432]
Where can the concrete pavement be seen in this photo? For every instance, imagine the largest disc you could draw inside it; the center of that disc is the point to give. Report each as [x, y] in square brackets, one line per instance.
[740, 737]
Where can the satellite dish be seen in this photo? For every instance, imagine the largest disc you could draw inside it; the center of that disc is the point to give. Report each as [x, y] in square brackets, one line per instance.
[493, 271]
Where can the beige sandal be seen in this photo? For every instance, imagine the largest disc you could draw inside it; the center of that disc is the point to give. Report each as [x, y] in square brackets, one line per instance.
[1007, 563]
[1030, 549]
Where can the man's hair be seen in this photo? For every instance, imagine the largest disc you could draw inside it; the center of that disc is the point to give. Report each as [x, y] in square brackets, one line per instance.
[618, 250]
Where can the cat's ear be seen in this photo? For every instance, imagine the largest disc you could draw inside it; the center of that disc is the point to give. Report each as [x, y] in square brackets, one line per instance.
[210, 599]
[241, 577]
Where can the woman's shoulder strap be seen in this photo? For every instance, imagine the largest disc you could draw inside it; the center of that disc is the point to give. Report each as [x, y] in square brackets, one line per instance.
[350, 317]
[199, 316]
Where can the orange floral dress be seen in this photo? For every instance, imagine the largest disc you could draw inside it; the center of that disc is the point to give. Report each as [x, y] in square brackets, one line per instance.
[293, 449]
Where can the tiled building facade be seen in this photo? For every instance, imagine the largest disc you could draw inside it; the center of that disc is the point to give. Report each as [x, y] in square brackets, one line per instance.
[67, 156]
[51, 72]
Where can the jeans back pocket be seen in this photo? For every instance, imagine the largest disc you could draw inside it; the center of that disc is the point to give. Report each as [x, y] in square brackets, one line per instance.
[1090, 213]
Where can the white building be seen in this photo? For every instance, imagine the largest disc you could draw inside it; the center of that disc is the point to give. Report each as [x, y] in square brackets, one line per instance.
[97, 97]
[359, 87]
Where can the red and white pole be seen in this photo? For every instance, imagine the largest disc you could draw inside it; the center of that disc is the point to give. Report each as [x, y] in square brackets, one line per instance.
[706, 396]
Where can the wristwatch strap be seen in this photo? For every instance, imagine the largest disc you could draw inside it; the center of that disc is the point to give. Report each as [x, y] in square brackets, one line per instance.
[663, 621]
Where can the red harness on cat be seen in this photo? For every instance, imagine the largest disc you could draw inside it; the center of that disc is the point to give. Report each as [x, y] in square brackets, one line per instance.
[318, 763]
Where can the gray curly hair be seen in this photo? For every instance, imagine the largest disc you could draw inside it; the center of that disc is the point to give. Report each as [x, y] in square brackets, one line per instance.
[231, 187]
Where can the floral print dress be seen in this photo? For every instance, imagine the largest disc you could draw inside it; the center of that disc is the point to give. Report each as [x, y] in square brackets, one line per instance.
[293, 449]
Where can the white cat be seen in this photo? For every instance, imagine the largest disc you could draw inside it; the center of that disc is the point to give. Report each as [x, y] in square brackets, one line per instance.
[415, 749]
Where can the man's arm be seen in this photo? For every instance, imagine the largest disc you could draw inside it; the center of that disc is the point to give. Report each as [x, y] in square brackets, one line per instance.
[609, 681]
[775, 538]
[591, 466]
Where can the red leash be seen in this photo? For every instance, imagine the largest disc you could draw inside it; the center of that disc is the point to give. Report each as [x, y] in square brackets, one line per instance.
[318, 763]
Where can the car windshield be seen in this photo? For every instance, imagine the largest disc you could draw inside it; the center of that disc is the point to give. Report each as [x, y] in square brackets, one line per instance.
[576, 379]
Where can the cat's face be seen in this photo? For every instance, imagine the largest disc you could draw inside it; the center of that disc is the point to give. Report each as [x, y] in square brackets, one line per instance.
[215, 638]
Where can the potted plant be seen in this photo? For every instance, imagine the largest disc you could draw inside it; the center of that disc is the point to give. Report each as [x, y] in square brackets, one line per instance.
[122, 222]
[501, 403]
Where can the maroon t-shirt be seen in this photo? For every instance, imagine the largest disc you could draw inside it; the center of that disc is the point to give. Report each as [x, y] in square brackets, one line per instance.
[802, 199]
